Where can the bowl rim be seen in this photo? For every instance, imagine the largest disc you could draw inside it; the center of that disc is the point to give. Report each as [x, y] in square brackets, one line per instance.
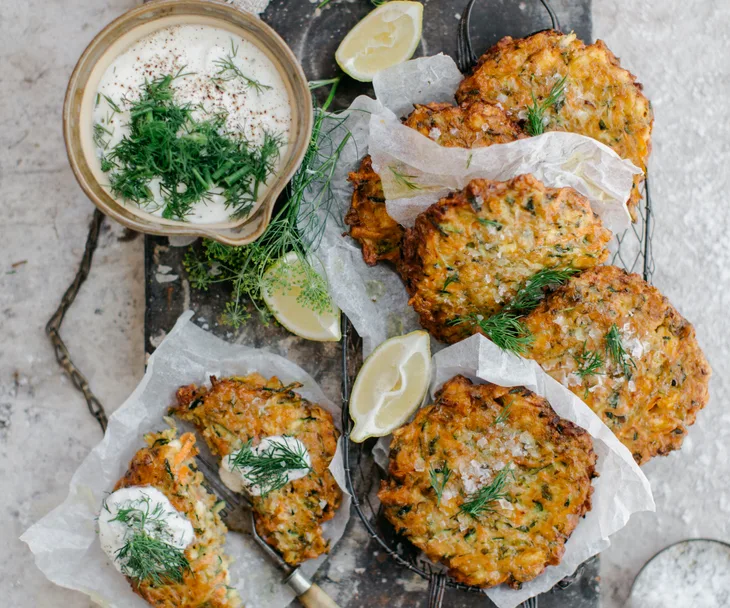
[229, 234]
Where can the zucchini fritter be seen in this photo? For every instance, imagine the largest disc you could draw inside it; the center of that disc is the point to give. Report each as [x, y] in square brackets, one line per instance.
[618, 344]
[470, 125]
[379, 234]
[167, 464]
[239, 409]
[469, 253]
[601, 100]
[457, 450]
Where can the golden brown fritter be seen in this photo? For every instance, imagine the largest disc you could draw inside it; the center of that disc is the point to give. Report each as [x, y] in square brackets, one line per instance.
[650, 395]
[469, 253]
[167, 464]
[379, 234]
[470, 125]
[457, 449]
[236, 410]
[602, 100]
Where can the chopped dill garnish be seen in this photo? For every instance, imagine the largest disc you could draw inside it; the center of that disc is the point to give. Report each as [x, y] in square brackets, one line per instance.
[404, 180]
[468, 160]
[228, 70]
[112, 104]
[100, 134]
[268, 469]
[480, 501]
[297, 226]
[452, 278]
[503, 415]
[589, 362]
[439, 479]
[145, 555]
[532, 291]
[485, 222]
[188, 157]
[536, 111]
[617, 352]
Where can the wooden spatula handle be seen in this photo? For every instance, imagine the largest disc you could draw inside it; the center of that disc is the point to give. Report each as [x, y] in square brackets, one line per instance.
[315, 597]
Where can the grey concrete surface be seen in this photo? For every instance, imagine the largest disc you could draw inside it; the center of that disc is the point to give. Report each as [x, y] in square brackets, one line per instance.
[680, 50]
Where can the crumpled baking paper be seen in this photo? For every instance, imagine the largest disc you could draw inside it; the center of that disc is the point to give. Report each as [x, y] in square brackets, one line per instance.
[374, 298]
[620, 490]
[65, 543]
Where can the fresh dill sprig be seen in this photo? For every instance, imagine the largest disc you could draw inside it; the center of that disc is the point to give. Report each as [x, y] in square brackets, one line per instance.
[481, 500]
[404, 180]
[503, 415]
[268, 469]
[228, 70]
[536, 111]
[297, 226]
[439, 478]
[589, 362]
[504, 329]
[188, 157]
[532, 291]
[617, 352]
[145, 555]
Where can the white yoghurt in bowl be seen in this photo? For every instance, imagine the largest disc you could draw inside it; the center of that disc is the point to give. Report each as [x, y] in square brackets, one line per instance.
[202, 147]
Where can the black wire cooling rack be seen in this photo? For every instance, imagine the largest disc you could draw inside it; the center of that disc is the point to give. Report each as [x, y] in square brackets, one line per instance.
[632, 251]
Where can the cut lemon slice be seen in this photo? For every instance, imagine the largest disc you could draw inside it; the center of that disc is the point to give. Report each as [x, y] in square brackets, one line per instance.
[388, 36]
[391, 385]
[281, 293]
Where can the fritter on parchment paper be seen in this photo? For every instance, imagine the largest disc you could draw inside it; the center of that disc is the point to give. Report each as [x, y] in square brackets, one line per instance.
[471, 125]
[618, 344]
[168, 465]
[469, 253]
[238, 409]
[489, 481]
[599, 98]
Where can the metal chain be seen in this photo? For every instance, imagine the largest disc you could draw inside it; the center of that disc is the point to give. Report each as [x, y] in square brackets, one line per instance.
[53, 327]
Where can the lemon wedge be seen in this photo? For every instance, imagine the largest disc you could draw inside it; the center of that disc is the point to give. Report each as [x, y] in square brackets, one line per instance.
[281, 291]
[386, 37]
[391, 385]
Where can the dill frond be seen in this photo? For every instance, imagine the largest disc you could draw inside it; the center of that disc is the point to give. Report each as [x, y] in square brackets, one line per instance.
[228, 70]
[452, 278]
[439, 478]
[503, 415]
[268, 470]
[532, 291]
[617, 352]
[146, 556]
[505, 329]
[589, 362]
[404, 180]
[480, 502]
[297, 226]
[536, 111]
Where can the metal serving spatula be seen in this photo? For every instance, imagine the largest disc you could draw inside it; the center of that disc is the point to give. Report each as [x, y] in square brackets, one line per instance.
[238, 516]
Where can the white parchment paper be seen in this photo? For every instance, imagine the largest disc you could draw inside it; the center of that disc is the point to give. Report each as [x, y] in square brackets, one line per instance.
[620, 490]
[65, 543]
[374, 298]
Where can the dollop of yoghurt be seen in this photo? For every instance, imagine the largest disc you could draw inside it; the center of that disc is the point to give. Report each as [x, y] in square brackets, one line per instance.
[237, 479]
[161, 521]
